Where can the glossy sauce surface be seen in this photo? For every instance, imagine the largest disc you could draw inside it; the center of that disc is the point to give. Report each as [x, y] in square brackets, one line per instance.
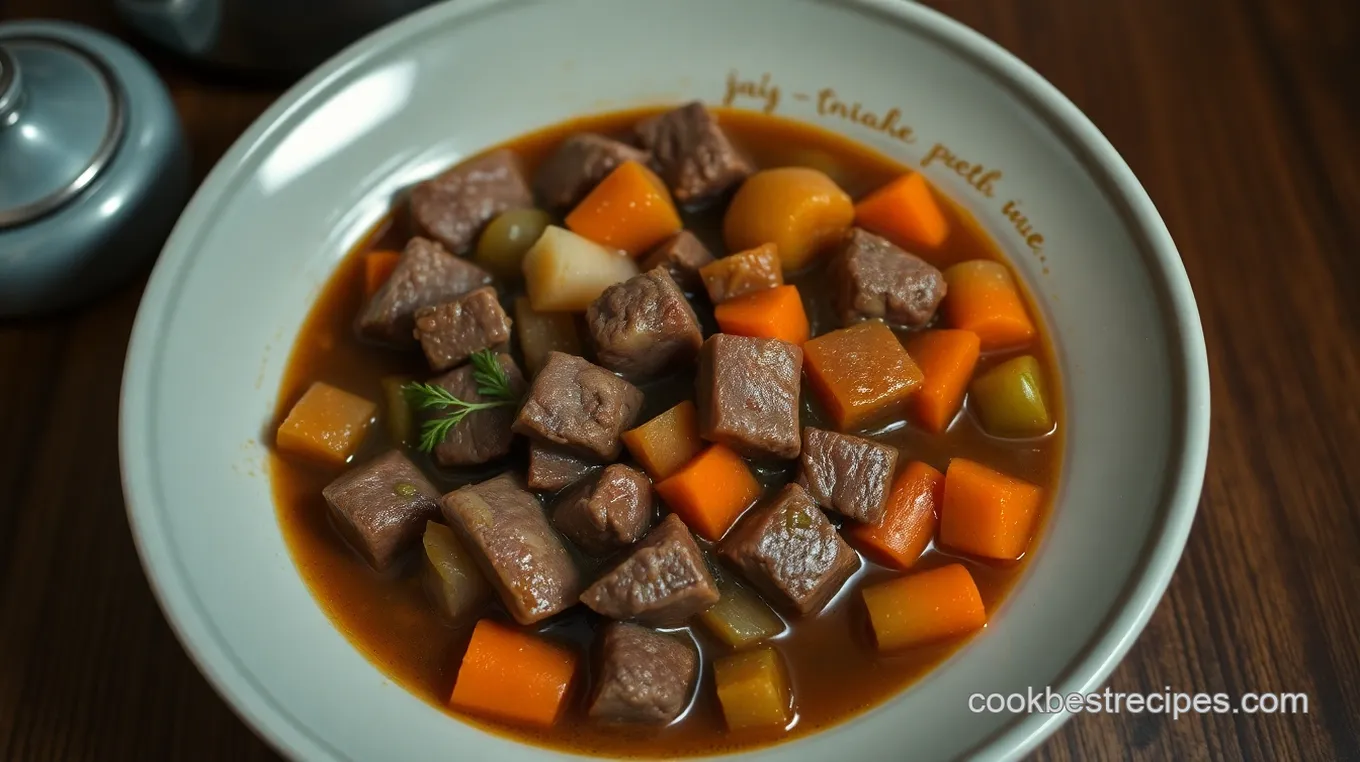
[834, 668]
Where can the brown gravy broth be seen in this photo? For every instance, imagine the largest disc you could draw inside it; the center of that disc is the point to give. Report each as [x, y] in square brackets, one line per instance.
[834, 668]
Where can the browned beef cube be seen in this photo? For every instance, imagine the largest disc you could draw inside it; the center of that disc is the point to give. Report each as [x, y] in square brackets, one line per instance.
[425, 275]
[551, 469]
[453, 207]
[578, 405]
[644, 325]
[607, 513]
[849, 475]
[578, 165]
[872, 278]
[450, 332]
[748, 391]
[506, 530]
[664, 581]
[682, 254]
[692, 153]
[483, 435]
[382, 506]
[644, 676]
[790, 552]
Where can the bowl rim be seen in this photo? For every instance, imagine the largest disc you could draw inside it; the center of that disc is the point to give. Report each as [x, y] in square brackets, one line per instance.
[1088, 668]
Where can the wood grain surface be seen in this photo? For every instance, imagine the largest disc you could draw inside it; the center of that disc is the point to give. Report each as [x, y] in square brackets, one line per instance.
[1242, 119]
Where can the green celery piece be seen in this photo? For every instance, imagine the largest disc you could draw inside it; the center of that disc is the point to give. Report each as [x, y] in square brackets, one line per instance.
[740, 618]
[398, 409]
[1009, 399]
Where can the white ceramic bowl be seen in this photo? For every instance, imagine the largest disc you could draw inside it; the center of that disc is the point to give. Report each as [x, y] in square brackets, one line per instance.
[312, 174]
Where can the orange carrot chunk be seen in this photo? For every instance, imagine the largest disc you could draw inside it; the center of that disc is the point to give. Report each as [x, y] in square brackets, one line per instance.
[861, 374]
[905, 212]
[982, 297]
[378, 267]
[630, 210]
[924, 607]
[909, 521]
[775, 313]
[326, 424]
[512, 676]
[710, 491]
[667, 442]
[947, 358]
[987, 513]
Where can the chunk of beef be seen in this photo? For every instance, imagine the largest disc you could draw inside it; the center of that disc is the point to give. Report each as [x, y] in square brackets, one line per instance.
[682, 254]
[644, 325]
[551, 469]
[453, 207]
[578, 165]
[692, 153]
[644, 676]
[872, 278]
[483, 435]
[381, 506]
[664, 581]
[505, 529]
[607, 513]
[450, 332]
[580, 406]
[790, 552]
[849, 475]
[425, 275]
[748, 392]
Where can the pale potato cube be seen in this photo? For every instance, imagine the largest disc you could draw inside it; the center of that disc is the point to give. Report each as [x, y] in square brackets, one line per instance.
[564, 272]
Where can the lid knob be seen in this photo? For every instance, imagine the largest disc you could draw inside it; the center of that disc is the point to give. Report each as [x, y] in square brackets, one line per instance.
[10, 88]
[61, 119]
[93, 165]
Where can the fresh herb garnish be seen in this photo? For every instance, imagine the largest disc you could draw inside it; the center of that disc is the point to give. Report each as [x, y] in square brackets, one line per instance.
[492, 380]
[493, 383]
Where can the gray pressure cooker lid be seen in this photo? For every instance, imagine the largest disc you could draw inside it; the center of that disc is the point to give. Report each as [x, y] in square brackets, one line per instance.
[62, 116]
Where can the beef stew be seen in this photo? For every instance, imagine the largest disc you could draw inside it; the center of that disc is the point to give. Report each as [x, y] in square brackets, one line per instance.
[699, 507]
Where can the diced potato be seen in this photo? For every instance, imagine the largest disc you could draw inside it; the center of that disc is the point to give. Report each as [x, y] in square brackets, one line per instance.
[397, 410]
[924, 607]
[326, 424]
[753, 689]
[450, 574]
[800, 210]
[502, 245]
[861, 374]
[543, 332]
[667, 442]
[1009, 399]
[828, 163]
[740, 617]
[564, 272]
[743, 273]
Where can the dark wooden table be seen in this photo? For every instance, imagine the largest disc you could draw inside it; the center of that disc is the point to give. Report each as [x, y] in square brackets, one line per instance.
[1241, 117]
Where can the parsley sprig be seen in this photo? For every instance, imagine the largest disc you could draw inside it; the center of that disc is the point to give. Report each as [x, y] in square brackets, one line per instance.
[493, 384]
